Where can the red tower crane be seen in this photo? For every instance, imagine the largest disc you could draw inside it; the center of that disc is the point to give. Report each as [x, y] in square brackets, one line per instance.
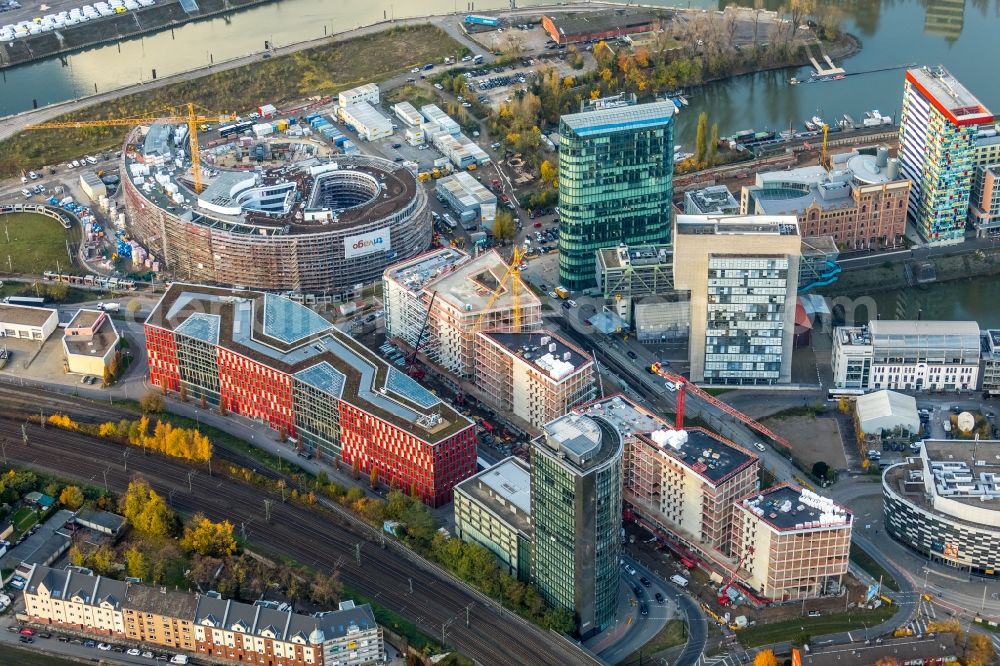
[723, 598]
[683, 385]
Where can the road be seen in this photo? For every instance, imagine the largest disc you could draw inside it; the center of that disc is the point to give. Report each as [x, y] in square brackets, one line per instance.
[327, 542]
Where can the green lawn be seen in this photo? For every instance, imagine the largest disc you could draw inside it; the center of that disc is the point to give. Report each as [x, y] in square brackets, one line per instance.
[32, 243]
[23, 519]
[873, 568]
[12, 656]
[673, 633]
[800, 630]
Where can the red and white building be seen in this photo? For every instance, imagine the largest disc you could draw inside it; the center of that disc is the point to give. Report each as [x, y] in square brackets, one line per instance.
[268, 358]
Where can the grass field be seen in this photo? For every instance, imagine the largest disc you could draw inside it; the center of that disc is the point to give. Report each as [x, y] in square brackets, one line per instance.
[800, 630]
[11, 656]
[23, 519]
[32, 243]
[674, 633]
[873, 568]
[323, 70]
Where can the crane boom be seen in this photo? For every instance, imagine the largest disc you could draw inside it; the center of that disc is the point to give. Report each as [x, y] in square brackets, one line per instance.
[685, 385]
[512, 274]
[723, 598]
[190, 119]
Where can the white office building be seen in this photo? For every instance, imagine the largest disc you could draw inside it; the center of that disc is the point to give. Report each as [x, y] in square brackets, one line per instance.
[908, 355]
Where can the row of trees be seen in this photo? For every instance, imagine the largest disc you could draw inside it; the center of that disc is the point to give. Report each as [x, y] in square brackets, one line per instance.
[164, 437]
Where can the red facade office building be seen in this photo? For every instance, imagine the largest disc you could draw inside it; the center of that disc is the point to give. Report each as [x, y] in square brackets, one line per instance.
[271, 359]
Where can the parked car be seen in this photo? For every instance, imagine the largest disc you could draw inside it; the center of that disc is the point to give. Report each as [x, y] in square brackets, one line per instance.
[631, 354]
[814, 613]
[133, 652]
[758, 446]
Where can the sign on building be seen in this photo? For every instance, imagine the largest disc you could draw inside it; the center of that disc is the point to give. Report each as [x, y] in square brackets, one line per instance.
[362, 244]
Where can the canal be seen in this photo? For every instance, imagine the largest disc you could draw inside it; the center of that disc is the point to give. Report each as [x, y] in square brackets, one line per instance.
[970, 299]
[962, 34]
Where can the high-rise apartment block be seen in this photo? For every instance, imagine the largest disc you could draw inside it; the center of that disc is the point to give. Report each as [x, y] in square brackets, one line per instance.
[861, 202]
[268, 358]
[742, 274]
[536, 377]
[937, 134]
[794, 543]
[453, 294]
[615, 182]
[576, 508]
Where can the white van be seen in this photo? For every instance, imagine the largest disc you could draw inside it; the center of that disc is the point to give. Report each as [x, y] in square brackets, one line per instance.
[179, 659]
[680, 581]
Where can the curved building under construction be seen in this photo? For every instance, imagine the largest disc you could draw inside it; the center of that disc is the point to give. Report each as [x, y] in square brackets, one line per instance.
[316, 226]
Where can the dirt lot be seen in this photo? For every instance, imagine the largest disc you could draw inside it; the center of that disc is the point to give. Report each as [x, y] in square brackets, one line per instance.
[812, 439]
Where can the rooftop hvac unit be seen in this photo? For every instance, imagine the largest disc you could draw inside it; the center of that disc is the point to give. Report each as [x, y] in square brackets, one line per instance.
[552, 347]
[545, 340]
[566, 356]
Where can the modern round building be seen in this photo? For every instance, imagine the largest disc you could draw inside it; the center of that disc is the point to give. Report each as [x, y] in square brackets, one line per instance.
[945, 504]
[316, 226]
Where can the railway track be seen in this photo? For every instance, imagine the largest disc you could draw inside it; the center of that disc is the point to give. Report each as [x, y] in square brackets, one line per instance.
[384, 574]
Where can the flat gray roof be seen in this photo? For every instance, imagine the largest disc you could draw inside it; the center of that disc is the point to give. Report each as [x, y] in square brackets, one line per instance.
[619, 119]
[736, 225]
[960, 104]
[788, 508]
[504, 489]
[24, 315]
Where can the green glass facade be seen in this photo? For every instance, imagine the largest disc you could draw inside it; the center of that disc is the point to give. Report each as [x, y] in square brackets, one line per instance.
[576, 510]
[616, 172]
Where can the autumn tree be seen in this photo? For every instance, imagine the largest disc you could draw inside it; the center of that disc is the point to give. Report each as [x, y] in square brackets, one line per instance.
[151, 402]
[765, 658]
[701, 139]
[504, 228]
[713, 144]
[549, 173]
[71, 497]
[204, 537]
[325, 589]
[373, 477]
[136, 564]
[146, 510]
[979, 651]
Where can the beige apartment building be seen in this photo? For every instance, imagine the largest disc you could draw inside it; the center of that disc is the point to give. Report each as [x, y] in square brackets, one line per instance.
[536, 377]
[742, 274]
[206, 624]
[455, 295]
[70, 599]
[683, 481]
[152, 615]
[796, 543]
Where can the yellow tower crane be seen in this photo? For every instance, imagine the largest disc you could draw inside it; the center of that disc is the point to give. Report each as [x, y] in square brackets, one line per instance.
[191, 119]
[511, 276]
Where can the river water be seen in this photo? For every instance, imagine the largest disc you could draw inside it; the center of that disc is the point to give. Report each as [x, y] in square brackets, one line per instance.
[962, 34]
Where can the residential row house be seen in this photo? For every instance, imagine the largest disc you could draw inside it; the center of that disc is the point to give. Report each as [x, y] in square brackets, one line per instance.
[203, 624]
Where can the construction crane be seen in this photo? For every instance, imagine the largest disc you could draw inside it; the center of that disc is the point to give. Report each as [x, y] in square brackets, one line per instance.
[513, 276]
[191, 119]
[683, 386]
[412, 369]
[723, 598]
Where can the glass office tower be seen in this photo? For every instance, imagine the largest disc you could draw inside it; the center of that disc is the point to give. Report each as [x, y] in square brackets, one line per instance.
[576, 508]
[616, 171]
